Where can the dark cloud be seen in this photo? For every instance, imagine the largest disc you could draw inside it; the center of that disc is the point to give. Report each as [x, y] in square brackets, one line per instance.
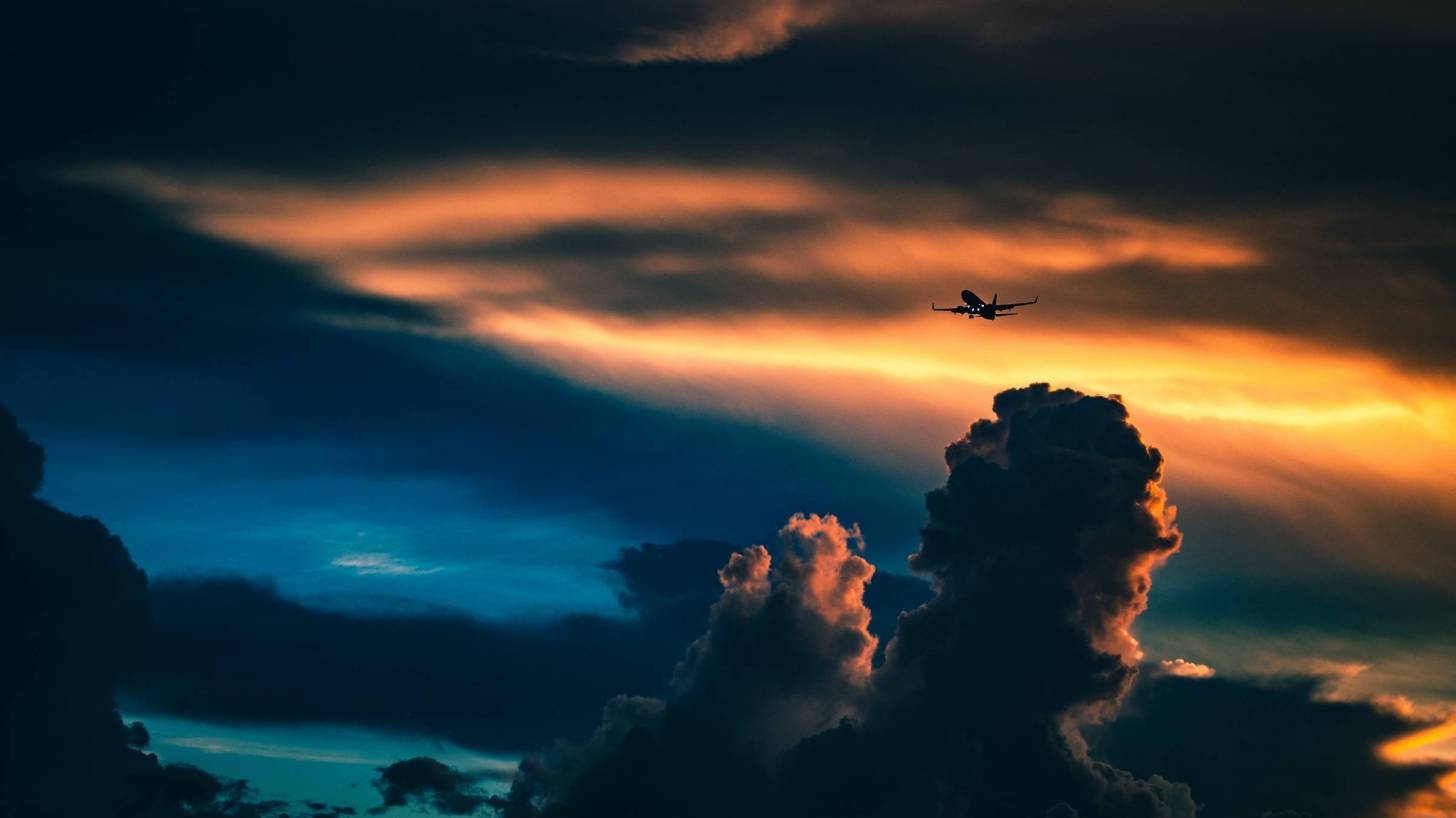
[1039, 548]
[1273, 748]
[1172, 105]
[72, 604]
[93, 272]
[234, 649]
[73, 614]
[429, 784]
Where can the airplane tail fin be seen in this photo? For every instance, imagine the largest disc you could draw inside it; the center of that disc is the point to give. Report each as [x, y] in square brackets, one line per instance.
[994, 296]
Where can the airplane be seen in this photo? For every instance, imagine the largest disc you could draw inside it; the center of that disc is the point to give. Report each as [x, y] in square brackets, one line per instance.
[975, 306]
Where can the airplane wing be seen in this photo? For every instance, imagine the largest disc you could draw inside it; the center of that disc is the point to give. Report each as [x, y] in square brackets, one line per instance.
[946, 309]
[1017, 304]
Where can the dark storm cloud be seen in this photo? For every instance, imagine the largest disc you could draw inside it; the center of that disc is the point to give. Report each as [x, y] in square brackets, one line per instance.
[73, 610]
[1040, 548]
[233, 649]
[1249, 748]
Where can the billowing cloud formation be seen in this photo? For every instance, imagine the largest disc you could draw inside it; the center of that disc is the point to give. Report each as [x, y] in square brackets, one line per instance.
[788, 647]
[787, 654]
[1040, 548]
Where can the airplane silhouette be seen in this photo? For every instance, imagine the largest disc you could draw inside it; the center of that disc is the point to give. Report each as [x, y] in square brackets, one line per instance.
[975, 306]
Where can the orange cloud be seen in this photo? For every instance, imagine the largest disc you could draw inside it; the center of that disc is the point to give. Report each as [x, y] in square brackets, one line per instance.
[479, 202]
[863, 232]
[734, 30]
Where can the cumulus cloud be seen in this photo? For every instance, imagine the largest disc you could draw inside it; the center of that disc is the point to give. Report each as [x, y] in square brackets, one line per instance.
[788, 649]
[1039, 547]
[787, 654]
[1183, 667]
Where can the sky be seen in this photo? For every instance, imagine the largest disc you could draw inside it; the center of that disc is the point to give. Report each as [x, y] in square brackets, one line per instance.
[429, 363]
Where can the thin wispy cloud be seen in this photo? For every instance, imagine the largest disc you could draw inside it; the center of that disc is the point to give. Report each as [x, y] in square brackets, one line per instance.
[368, 563]
[218, 745]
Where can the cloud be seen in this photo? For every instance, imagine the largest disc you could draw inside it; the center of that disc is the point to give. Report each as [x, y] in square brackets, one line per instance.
[787, 653]
[1039, 547]
[422, 672]
[72, 605]
[231, 746]
[788, 650]
[262, 363]
[219, 649]
[429, 784]
[232, 649]
[1248, 748]
[723, 32]
[73, 613]
[1184, 668]
[366, 563]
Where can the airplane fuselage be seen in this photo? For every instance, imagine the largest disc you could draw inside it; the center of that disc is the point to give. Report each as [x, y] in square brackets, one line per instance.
[973, 307]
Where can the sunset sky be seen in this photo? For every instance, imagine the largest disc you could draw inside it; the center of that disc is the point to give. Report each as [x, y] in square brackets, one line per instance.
[385, 337]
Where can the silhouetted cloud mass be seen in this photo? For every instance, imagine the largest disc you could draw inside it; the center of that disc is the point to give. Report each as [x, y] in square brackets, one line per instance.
[430, 784]
[1273, 748]
[72, 602]
[73, 608]
[1039, 547]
